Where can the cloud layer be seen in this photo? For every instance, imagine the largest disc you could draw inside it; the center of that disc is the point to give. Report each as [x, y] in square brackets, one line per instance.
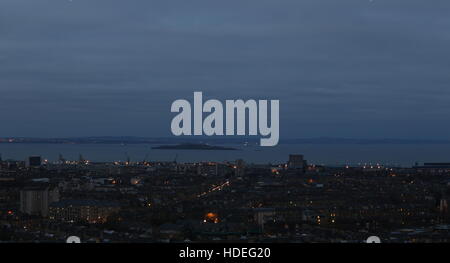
[350, 68]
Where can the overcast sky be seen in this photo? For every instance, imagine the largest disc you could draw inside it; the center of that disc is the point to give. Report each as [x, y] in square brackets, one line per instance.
[346, 68]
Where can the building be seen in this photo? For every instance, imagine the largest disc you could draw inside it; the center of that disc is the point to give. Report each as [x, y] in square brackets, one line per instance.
[34, 161]
[91, 211]
[296, 162]
[207, 169]
[263, 215]
[36, 200]
[433, 168]
[240, 168]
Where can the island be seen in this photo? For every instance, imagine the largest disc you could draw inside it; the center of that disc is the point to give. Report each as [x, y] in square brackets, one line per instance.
[193, 146]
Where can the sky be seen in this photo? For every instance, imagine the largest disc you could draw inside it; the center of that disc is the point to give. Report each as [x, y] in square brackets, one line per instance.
[347, 68]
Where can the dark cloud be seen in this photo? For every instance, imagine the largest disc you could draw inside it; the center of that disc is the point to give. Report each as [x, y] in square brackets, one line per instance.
[110, 67]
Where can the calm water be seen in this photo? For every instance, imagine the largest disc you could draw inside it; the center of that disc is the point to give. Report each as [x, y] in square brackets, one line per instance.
[336, 154]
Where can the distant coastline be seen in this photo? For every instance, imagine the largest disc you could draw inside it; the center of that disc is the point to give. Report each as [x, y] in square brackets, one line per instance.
[193, 146]
[248, 141]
